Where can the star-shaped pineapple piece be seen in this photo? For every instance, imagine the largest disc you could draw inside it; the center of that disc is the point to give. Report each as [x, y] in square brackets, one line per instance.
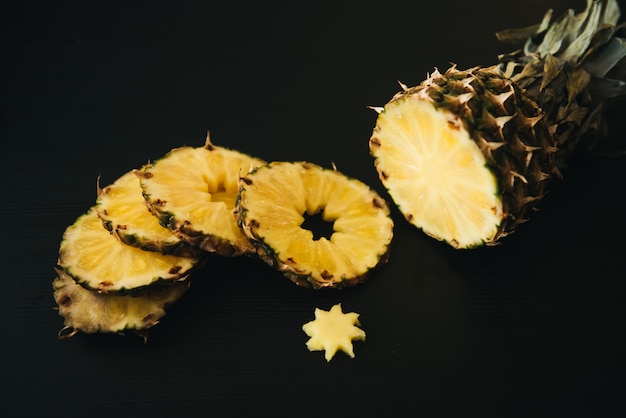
[333, 330]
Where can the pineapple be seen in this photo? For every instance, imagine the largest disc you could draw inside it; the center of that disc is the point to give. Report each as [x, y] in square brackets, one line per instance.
[275, 200]
[192, 191]
[333, 330]
[124, 212]
[91, 312]
[97, 260]
[466, 155]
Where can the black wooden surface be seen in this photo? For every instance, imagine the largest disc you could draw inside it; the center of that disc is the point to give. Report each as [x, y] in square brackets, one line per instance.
[532, 328]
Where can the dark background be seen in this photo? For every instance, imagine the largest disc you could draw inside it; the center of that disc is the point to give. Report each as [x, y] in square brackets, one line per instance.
[532, 328]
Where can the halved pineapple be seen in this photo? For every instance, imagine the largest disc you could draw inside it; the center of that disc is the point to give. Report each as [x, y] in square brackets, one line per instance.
[272, 205]
[192, 190]
[97, 260]
[468, 155]
[124, 212]
[465, 155]
[436, 174]
[91, 312]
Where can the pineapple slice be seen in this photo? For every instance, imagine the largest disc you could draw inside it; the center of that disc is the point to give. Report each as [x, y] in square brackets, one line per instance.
[275, 199]
[332, 331]
[97, 260]
[124, 212]
[192, 190]
[93, 312]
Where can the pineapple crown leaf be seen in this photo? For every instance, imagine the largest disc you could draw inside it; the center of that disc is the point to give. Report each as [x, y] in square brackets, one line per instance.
[592, 40]
[570, 66]
[570, 36]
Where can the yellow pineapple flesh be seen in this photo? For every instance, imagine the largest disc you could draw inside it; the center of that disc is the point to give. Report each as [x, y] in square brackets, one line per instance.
[97, 260]
[124, 212]
[274, 201]
[192, 191]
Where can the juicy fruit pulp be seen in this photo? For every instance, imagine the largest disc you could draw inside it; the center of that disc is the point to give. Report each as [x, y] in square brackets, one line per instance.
[192, 190]
[275, 199]
[124, 212]
[446, 188]
[98, 260]
[332, 331]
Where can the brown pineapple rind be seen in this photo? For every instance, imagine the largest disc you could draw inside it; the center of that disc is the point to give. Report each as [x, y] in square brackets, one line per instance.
[90, 312]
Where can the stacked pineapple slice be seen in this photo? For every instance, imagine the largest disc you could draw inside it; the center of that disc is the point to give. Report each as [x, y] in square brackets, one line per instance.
[119, 266]
[131, 255]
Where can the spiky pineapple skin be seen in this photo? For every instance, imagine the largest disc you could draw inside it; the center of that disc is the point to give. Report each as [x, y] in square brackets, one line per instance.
[88, 311]
[507, 126]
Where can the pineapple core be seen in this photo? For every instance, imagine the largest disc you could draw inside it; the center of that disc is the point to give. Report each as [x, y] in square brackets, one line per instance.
[332, 331]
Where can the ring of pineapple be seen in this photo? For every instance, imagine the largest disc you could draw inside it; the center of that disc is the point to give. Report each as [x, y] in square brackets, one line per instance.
[192, 191]
[272, 203]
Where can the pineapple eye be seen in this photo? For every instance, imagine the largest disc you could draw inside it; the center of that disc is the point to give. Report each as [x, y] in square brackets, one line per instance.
[320, 227]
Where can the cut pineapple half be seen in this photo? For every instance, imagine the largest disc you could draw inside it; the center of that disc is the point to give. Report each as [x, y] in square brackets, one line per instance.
[91, 312]
[124, 212]
[98, 260]
[273, 202]
[192, 190]
[435, 173]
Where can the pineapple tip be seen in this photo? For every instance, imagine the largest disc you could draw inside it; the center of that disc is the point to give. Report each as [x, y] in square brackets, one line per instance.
[376, 109]
[207, 142]
[98, 188]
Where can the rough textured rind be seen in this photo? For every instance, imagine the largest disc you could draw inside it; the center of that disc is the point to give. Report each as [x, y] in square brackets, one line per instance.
[90, 312]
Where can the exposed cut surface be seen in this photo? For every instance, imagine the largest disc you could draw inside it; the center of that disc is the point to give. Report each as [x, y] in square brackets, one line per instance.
[193, 193]
[98, 260]
[332, 331]
[276, 198]
[436, 174]
[124, 212]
